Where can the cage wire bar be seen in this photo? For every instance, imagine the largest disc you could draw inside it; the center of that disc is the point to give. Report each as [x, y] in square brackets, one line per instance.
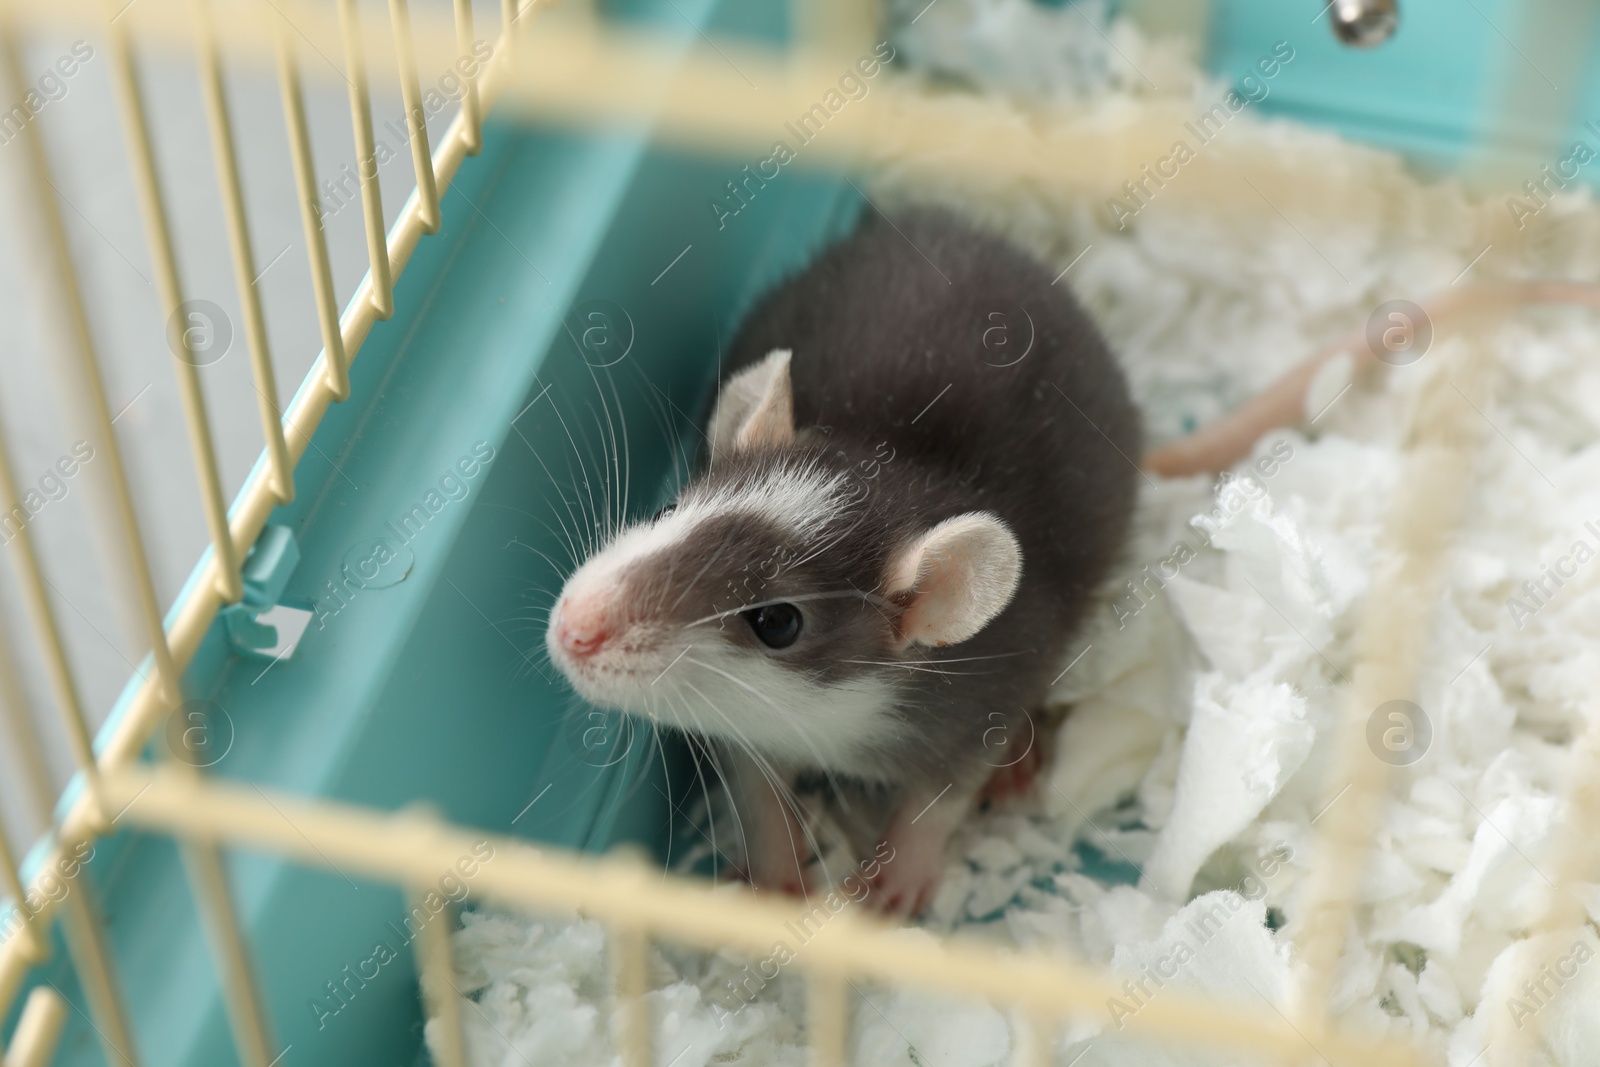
[85, 937]
[226, 160]
[31, 937]
[1390, 642]
[827, 1019]
[629, 896]
[630, 970]
[582, 72]
[355, 62]
[85, 934]
[36, 783]
[435, 974]
[427, 191]
[44, 1016]
[574, 72]
[1575, 856]
[334, 353]
[202, 862]
[471, 112]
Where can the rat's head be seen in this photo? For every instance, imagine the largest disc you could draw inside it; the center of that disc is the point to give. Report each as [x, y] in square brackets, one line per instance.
[770, 604]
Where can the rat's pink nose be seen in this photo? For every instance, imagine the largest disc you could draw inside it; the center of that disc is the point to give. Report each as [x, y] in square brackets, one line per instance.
[581, 630]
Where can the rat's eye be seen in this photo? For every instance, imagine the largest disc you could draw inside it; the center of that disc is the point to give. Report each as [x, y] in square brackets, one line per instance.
[777, 625]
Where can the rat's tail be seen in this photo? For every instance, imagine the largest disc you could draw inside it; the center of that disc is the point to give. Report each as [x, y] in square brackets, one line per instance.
[1285, 402]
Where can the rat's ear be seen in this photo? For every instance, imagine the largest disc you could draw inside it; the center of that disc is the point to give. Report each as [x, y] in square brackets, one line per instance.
[756, 408]
[954, 578]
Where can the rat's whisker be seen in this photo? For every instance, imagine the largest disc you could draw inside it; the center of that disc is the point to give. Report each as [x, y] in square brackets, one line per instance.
[666, 774]
[710, 749]
[697, 747]
[625, 449]
[553, 564]
[560, 495]
[594, 511]
[781, 790]
[610, 464]
[752, 690]
[792, 722]
[913, 667]
[604, 467]
[614, 471]
[561, 535]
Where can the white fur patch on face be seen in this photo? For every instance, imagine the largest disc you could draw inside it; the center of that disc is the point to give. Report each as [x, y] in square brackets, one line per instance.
[750, 700]
[797, 497]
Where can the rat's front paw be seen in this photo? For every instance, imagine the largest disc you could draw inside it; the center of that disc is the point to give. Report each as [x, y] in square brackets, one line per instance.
[911, 858]
[906, 881]
[779, 869]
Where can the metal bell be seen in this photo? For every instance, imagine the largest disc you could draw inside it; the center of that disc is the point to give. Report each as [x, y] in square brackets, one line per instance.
[1364, 23]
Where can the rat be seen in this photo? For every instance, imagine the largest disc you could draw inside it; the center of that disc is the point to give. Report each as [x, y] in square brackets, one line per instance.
[919, 467]
[920, 463]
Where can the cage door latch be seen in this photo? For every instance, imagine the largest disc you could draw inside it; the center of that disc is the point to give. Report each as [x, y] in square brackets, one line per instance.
[260, 625]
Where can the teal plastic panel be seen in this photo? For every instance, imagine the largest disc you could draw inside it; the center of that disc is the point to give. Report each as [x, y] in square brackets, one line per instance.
[1436, 88]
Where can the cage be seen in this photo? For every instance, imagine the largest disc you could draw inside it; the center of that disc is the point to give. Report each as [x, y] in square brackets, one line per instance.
[338, 709]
